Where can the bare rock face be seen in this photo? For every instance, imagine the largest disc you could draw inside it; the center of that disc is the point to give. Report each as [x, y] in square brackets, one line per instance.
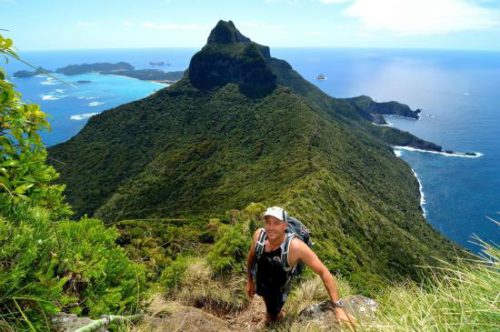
[230, 57]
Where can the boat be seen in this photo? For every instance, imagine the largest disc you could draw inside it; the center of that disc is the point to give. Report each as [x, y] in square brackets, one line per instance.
[321, 77]
[159, 63]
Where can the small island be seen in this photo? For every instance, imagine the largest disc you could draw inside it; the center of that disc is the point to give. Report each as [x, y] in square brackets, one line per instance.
[26, 73]
[104, 68]
[94, 68]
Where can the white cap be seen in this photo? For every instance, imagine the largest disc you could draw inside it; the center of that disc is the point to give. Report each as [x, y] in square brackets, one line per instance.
[275, 211]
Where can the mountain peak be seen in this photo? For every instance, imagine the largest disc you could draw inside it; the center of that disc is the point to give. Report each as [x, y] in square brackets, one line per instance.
[226, 33]
[230, 57]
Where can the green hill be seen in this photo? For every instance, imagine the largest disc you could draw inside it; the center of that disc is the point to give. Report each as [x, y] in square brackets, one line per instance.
[244, 127]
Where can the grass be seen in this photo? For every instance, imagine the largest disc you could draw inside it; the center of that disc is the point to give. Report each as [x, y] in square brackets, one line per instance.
[466, 298]
[199, 287]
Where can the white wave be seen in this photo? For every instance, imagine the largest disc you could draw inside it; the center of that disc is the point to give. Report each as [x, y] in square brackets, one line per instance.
[82, 116]
[398, 152]
[95, 103]
[59, 90]
[86, 98]
[422, 196]
[50, 81]
[50, 97]
[381, 124]
[446, 154]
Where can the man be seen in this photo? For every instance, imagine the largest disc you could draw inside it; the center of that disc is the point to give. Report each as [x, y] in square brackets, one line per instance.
[272, 278]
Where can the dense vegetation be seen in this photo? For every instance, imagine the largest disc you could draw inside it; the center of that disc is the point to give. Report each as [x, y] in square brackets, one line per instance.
[47, 262]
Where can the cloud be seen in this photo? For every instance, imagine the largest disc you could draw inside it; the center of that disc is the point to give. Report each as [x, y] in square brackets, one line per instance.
[174, 26]
[410, 17]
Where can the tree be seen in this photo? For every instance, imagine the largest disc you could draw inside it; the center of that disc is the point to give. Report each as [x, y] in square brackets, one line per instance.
[24, 174]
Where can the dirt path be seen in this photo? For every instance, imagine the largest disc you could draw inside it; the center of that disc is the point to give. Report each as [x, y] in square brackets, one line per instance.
[163, 315]
[251, 319]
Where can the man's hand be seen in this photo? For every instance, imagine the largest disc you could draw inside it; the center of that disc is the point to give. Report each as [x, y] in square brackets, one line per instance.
[344, 318]
[250, 288]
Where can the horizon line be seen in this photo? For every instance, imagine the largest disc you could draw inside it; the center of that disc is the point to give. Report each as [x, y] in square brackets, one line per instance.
[274, 47]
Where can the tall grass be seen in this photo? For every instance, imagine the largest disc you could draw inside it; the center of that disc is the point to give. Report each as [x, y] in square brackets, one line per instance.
[464, 298]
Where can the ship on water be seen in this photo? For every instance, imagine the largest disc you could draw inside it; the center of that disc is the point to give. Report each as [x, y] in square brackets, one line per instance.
[321, 77]
[159, 63]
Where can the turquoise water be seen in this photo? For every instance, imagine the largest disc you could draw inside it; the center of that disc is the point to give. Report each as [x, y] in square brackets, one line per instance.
[457, 91]
[70, 105]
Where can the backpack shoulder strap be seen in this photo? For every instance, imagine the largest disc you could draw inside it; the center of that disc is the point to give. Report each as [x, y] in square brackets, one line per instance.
[259, 246]
[285, 248]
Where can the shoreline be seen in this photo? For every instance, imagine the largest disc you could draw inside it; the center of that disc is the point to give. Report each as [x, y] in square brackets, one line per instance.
[422, 195]
[443, 153]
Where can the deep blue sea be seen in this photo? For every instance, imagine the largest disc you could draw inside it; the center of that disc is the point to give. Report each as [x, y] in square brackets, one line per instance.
[458, 92]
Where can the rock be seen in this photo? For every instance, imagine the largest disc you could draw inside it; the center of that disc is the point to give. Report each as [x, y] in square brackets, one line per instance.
[230, 57]
[322, 316]
[165, 315]
[63, 322]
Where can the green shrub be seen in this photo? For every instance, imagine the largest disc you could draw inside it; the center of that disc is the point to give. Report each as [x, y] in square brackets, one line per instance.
[48, 265]
[71, 266]
[24, 174]
[230, 249]
[171, 277]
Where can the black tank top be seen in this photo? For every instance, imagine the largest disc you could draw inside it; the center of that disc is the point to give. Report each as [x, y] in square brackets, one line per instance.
[271, 277]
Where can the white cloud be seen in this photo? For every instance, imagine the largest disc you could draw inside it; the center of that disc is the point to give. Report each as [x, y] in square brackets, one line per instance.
[83, 116]
[412, 17]
[174, 26]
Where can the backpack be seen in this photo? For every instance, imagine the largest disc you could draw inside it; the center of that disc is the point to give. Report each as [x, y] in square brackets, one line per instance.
[295, 228]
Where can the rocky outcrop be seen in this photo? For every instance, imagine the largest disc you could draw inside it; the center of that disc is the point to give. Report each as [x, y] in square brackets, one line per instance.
[375, 110]
[230, 57]
[322, 317]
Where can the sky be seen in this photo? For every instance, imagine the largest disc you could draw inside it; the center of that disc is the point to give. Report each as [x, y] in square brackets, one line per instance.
[96, 24]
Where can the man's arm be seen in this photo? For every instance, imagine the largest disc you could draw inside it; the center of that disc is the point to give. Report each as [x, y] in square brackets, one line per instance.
[309, 258]
[250, 263]
[299, 251]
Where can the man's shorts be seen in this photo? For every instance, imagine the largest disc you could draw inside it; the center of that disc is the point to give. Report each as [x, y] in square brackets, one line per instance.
[274, 302]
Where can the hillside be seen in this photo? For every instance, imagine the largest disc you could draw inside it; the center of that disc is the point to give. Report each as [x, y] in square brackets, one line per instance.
[244, 127]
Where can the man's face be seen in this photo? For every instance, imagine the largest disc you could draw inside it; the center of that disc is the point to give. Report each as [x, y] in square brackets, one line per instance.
[274, 227]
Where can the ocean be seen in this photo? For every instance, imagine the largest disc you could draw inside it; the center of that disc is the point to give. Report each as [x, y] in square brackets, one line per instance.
[458, 92]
